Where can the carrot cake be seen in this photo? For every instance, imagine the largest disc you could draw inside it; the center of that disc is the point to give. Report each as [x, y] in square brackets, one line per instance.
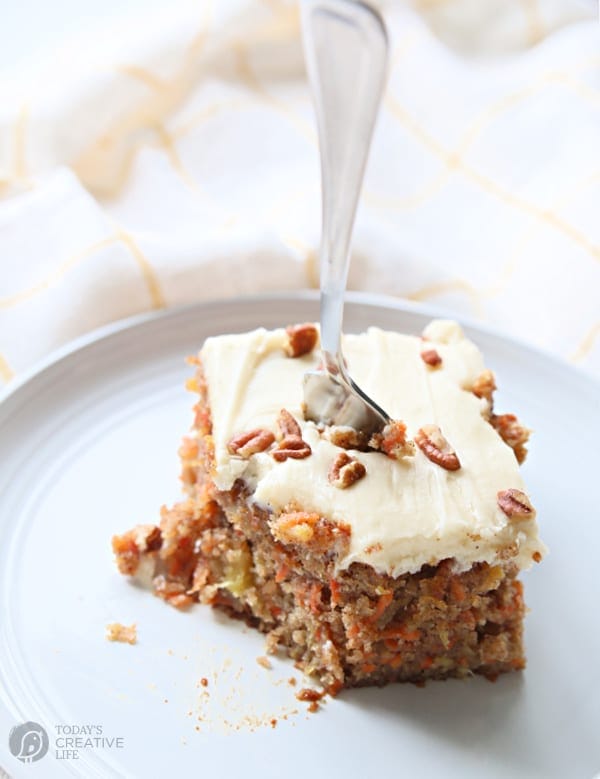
[392, 559]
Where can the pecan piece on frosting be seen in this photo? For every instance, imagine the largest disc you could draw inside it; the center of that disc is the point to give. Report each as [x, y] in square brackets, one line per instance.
[431, 357]
[287, 424]
[252, 442]
[293, 446]
[347, 437]
[301, 339]
[436, 448]
[484, 385]
[512, 433]
[392, 441]
[345, 471]
[515, 504]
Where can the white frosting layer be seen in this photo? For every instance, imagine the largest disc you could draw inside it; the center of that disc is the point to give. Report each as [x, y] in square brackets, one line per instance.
[402, 514]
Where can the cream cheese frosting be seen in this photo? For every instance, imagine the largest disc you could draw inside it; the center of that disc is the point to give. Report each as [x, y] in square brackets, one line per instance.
[402, 514]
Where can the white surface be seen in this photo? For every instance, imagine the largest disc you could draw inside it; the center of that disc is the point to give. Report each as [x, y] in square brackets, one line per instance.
[33, 29]
[171, 158]
[89, 448]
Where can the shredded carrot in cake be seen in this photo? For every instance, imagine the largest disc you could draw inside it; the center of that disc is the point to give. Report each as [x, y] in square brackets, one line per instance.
[382, 604]
[336, 592]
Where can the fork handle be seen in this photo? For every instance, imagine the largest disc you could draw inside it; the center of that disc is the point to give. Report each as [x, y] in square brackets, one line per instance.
[345, 46]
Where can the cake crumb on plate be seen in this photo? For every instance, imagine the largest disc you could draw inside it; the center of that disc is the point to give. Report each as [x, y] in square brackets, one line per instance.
[125, 634]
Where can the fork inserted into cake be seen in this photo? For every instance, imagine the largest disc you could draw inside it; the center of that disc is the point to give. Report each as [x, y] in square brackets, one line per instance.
[346, 57]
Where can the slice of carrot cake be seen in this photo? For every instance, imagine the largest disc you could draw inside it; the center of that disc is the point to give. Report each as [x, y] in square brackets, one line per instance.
[392, 559]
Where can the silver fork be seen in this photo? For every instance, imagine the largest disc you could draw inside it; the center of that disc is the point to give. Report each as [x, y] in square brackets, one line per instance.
[345, 46]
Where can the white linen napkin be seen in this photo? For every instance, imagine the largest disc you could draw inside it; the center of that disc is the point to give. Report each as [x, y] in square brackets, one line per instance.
[175, 159]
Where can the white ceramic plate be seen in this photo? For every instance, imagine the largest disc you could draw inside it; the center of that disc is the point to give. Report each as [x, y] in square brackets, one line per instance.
[88, 448]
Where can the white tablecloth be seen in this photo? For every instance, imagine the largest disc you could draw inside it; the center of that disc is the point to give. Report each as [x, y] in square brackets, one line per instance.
[173, 158]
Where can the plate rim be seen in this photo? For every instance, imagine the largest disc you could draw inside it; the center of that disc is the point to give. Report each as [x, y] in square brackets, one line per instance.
[355, 297]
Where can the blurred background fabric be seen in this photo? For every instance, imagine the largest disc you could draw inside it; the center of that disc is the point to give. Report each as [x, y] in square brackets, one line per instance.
[168, 155]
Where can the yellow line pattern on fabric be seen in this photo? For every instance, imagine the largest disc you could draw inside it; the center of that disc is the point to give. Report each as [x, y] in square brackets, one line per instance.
[6, 372]
[198, 42]
[143, 75]
[148, 272]
[452, 160]
[5, 183]
[248, 78]
[104, 165]
[587, 344]
[527, 237]
[477, 295]
[167, 142]
[284, 25]
[533, 19]
[20, 167]
[54, 277]
[202, 115]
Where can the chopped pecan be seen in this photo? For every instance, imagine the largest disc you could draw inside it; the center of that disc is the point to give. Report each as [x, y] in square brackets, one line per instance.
[345, 471]
[484, 385]
[392, 441]
[436, 448]
[346, 437]
[431, 357]
[301, 339]
[515, 504]
[292, 446]
[252, 442]
[512, 433]
[287, 424]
